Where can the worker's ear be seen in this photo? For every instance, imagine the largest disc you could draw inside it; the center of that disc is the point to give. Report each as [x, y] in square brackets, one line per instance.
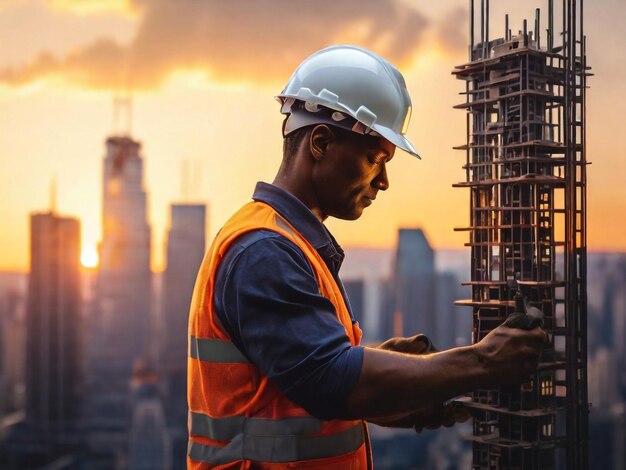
[321, 137]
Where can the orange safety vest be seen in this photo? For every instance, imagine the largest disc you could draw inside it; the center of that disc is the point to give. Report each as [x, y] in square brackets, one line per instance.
[238, 418]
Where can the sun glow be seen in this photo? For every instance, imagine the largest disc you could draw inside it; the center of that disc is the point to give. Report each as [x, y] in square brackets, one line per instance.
[89, 257]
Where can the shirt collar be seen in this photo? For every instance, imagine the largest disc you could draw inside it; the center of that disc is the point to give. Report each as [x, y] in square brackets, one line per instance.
[303, 220]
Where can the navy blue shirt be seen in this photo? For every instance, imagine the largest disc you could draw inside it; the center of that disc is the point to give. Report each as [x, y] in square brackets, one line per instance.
[268, 300]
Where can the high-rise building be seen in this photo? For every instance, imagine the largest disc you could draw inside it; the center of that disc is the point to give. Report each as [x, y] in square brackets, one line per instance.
[355, 290]
[12, 349]
[185, 250]
[603, 379]
[389, 323]
[414, 279]
[446, 291]
[53, 372]
[124, 326]
[48, 431]
[120, 330]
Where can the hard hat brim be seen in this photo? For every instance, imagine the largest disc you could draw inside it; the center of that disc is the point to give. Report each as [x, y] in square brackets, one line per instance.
[396, 139]
[296, 118]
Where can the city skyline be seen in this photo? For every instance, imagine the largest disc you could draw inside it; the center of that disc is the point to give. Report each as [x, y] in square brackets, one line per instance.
[195, 112]
[133, 129]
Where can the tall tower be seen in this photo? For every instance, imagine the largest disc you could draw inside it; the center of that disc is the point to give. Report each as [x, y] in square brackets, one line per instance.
[526, 172]
[355, 289]
[414, 275]
[124, 283]
[185, 250]
[120, 330]
[53, 352]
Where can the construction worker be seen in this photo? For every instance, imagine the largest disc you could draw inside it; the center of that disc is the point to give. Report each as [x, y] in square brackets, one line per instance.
[277, 376]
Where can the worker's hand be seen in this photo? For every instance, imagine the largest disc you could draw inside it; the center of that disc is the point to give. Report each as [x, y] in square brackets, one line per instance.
[443, 414]
[418, 344]
[510, 355]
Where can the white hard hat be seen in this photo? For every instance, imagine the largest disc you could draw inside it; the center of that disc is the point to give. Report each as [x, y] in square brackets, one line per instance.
[355, 86]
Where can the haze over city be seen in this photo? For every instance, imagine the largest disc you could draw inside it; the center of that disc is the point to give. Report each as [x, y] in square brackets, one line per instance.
[208, 99]
[131, 131]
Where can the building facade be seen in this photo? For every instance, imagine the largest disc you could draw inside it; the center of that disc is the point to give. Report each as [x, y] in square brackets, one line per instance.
[185, 250]
[53, 317]
[414, 282]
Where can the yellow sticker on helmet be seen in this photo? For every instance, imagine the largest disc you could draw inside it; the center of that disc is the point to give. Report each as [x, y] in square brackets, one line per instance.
[407, 118]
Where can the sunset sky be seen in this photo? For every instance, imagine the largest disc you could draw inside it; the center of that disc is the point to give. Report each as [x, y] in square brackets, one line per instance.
[203, 76]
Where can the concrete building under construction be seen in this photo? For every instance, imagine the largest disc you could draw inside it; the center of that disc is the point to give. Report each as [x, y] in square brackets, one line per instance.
[526, 172]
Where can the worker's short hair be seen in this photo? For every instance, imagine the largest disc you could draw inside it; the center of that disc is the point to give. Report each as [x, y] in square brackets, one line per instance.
[292, 141]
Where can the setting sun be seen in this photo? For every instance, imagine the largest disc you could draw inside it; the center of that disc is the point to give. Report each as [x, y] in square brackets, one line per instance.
[89, 257]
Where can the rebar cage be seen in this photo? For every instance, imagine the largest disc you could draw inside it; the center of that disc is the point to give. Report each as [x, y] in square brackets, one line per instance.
[526, 172]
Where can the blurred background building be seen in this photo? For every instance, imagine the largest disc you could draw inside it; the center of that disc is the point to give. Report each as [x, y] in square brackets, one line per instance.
[151, 391]
[121, 328]
[45, 427]
[185, 250]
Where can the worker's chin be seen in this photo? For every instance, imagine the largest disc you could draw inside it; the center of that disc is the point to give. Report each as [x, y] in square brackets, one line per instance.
[351, 214]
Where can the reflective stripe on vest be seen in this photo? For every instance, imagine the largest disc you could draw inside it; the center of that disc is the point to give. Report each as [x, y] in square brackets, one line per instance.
[278, 448]
[215, 350]
[224, 429]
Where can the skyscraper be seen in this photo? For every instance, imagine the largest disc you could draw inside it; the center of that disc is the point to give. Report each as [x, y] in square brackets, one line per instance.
[355, 289]
[123, 307]
[446, 291]
[13, 352]
[53, 378]
[120, 331]
[53, 321]
[414, 273]
[185, 250]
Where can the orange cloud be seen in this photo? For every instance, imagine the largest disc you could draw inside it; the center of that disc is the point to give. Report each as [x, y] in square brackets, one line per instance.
[234, 40]
[93, 6]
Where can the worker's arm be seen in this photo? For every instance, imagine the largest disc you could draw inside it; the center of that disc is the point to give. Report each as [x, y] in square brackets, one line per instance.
[393, 383]
[432, 416]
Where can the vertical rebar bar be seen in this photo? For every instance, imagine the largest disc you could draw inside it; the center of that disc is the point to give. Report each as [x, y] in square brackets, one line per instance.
[538, 27]
[550, 25]
[506, 27]
[471, 38]
[482, 27]
[487, 28]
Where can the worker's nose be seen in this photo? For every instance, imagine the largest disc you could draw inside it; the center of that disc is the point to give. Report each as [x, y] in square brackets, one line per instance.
[381, 181]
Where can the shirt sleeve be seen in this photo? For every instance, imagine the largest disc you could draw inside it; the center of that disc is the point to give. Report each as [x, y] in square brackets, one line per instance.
[271, 307]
